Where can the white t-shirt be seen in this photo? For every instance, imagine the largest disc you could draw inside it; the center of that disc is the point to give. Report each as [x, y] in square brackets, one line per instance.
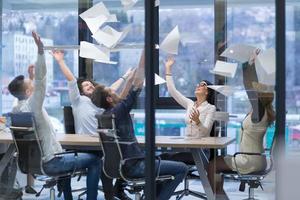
[84, 111]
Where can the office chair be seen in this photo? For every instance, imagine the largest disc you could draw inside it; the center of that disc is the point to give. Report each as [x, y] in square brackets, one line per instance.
[253, 179]
[114, 165]
[69, 120]
[215, 132]
[29, 151]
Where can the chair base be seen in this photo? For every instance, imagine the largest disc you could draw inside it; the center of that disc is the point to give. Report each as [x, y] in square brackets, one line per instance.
[180, 194]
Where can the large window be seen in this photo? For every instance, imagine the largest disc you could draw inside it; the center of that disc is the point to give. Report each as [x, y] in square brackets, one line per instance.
[57, 24]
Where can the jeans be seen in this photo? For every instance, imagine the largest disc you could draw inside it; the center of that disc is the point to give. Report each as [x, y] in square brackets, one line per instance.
[165, 189]
[66, 163]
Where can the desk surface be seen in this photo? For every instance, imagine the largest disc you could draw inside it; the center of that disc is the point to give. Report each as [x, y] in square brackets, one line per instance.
[161, 141]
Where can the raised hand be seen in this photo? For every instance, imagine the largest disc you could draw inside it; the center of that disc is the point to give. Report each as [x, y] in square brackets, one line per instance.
[128, 73]
[38, 42]
[253, 56]
[194, 115]
[30, 71]
[58, 55]
[169, 63]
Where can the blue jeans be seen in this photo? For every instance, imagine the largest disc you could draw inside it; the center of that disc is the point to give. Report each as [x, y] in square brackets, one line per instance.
[165, 189]
[66, 163]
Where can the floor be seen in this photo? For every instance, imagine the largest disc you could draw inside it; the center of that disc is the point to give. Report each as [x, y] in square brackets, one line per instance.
[231, 188]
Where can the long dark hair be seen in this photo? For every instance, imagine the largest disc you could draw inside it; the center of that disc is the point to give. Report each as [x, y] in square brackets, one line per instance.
[211, 93]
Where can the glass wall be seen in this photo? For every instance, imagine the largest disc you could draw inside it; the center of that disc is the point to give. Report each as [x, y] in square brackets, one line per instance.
[57, 24]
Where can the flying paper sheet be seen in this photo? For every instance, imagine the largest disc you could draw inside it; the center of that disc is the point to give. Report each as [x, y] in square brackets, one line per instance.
[91, 51]
[239, 52]
[262, 87]
[128, 3]
[223, 89]
[221, 116]
[263, 76]
[171, 42]
[95, 23]
[109, 37]
[98, 10]
[157, 2]
[225, 69]
[267, 60]
[158, 80]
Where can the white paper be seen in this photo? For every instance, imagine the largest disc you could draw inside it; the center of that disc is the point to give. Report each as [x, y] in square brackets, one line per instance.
[171, 42]
[157, 2]
[97, 10]
[239, 52]
[263, 76]
[267, 60]
[95, 23]
[92, 51]
[223, 89]
[128, 3]
[158, 80]
[221, 116]
[109, 37]
[225, 69]
[263, 87]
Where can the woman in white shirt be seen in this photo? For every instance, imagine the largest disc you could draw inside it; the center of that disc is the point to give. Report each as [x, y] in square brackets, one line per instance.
[254, 127]
[199, 114]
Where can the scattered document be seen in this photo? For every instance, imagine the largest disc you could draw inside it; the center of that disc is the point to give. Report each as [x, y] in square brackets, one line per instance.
[239, 52]
[98, 10]
[171, 42]
[221, 116]
[109, 37]
[128, 3]
[157, 2]
[266, 60]
[158, 80]
[260, 87]
[223, 89]
[95, 23]
[225, 69]
[95, 52]
[263, 76]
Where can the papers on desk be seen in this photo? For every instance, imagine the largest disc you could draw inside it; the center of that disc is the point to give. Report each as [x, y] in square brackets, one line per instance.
[95, 52]
[109, 37]
[225, 69]
[223, 89]
[158, 80]
[239, 52]
[171, 42]
[266, 60]
[98, 10]
[128, 3]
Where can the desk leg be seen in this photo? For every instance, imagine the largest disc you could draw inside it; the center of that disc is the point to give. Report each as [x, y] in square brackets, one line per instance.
[202, 173]
[6, 158]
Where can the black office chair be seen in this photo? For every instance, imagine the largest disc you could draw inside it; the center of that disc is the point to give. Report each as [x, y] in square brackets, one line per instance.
[114, 165]
[69, 120]
[253, 179]
[29, 151]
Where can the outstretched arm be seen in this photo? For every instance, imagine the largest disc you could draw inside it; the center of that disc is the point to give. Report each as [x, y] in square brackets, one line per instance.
[74, 93]
[118, 83]
[59, 57]
[139, 76]
[181, 99]
[37, 98]
[128, 85]
[250, 76]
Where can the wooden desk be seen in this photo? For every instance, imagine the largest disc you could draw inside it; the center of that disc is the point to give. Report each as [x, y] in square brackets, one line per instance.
[195, 146]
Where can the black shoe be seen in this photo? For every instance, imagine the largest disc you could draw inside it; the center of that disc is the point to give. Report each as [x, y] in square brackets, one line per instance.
[122, 195]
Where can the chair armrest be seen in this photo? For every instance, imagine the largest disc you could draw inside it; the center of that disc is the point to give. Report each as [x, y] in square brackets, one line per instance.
[17, 128]
[123, 162]
[67, 152]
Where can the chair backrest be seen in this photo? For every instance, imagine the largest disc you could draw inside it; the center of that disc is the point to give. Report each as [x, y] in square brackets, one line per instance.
[69, 120]
[29, 153]
[110, 145]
